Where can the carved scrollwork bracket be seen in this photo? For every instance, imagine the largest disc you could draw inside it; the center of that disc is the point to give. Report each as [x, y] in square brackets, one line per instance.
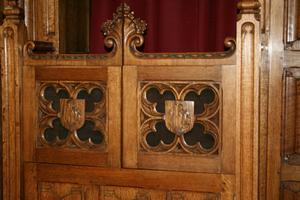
[133, 38]
[113, 29]
[134, 29]
[124, 20]
[32, 47]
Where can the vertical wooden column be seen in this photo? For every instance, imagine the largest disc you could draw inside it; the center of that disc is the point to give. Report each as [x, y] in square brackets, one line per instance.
[12, 34]
[248, 57]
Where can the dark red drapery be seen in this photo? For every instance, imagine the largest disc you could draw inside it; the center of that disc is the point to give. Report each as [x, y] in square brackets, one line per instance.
[173, 25]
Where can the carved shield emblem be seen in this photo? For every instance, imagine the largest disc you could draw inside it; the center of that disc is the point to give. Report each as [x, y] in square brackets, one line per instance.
[179, 116]
[72, 113]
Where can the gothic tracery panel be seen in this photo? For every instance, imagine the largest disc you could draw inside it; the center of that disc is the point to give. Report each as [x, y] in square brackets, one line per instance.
[72, 114]
[182, 117]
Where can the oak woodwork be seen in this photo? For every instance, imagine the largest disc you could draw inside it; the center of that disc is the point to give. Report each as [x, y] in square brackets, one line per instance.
[292, 22]
[290, 191]
[248, 106]
[290, 135]
[124, 165]
[156, 180]
[291, 116]
[181, 116]
[12, 34]
[274, 62]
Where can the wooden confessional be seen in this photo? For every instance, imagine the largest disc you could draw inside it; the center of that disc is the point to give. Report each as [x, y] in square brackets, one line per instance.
[135, 126]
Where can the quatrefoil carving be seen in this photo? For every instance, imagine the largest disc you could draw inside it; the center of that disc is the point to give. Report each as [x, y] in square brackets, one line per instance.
[180, 117]
[72, 114]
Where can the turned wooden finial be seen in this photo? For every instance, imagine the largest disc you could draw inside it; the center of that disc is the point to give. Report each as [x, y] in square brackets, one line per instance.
[12, 10]
[249, 7]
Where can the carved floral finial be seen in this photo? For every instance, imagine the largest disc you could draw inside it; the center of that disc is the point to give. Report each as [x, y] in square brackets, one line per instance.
[140, 25]
[122, 12]
[124, 24]
[110, 25]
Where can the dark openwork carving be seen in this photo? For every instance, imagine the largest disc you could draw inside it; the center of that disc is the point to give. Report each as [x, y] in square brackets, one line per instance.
[72, 114]
[180, 117]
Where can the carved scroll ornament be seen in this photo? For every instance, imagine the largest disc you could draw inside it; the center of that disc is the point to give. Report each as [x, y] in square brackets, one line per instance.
[133, 37]
[180, 117]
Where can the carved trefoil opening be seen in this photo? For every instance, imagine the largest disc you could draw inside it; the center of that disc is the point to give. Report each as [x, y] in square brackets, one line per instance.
[72, 114]
[180, 117]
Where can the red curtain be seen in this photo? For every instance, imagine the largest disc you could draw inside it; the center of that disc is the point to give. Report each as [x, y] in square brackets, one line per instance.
[173, 25]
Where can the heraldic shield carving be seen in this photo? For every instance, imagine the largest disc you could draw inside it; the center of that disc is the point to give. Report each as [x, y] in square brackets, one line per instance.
[72, 114]
[179, 116]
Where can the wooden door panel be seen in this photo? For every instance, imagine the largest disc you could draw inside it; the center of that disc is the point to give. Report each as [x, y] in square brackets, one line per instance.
[56, 191]
[290, 191]
[291, 132]
[290, 185]
[127, 193]
[72, 115]
[46, 181]
[150, 137]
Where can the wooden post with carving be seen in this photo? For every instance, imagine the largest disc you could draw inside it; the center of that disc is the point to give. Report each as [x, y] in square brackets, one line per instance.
[248, 57]
[12, 34]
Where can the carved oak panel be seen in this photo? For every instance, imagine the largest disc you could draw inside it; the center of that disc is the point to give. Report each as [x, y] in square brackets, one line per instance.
[72, 115]
[58, 191]
[181, 117]
[291, 131]
[66, 191]
[290, 191]
[119, 193]
[179, 195]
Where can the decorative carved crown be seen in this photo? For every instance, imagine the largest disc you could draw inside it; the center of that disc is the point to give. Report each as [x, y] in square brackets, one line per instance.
[124, 24]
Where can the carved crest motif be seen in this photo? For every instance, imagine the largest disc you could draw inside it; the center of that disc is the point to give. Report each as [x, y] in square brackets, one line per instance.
[72, 113]
[179, 116]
